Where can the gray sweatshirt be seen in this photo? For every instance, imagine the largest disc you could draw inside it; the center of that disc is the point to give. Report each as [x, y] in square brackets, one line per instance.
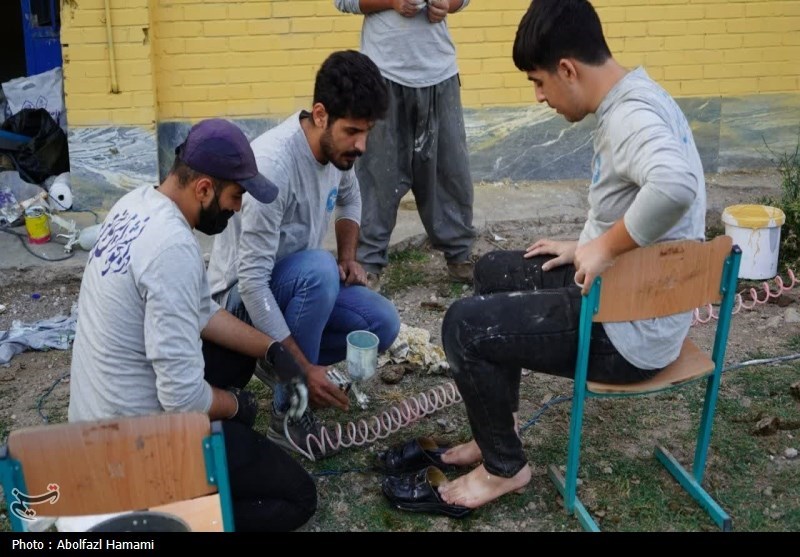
[410, 51]
[144, 301]
[299, 218]
[646, 169]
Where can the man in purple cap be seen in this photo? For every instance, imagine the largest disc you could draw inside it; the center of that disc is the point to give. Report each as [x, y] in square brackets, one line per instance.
[145, 305]
[270, 268]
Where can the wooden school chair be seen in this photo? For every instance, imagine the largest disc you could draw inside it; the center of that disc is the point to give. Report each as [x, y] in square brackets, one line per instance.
[656, 281]
[173, 463]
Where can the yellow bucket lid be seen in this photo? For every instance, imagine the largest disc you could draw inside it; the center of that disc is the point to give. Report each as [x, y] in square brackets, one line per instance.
[753, 216]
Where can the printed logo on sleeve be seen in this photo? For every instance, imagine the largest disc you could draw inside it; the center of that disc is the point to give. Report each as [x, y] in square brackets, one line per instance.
[332, 199]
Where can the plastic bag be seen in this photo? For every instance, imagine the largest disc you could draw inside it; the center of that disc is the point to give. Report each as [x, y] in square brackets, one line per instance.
[46, 153]
[44, 90]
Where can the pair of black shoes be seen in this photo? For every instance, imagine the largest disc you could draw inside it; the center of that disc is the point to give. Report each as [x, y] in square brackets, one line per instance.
[414, 473]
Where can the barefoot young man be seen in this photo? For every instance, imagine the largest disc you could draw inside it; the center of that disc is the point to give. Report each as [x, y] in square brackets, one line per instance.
[647, 186]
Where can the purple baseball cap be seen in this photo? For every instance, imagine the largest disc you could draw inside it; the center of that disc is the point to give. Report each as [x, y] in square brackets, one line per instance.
[218, 148]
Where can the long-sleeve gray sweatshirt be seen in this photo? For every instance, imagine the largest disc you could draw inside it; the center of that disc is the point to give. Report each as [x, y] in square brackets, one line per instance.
[297, 220]
[410, 51]
[647, 171]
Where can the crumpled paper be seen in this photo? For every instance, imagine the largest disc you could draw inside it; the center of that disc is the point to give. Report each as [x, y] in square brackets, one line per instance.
[413, 346]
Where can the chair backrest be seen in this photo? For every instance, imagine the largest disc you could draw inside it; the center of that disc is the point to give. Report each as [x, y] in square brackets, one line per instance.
[116, 465]
[663, 279]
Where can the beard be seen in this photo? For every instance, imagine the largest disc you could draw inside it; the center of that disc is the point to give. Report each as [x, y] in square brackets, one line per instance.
[214, 219]
[342, 161]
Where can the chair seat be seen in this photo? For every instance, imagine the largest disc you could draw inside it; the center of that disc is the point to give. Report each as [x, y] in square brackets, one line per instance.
[692, 364]
[202, 514]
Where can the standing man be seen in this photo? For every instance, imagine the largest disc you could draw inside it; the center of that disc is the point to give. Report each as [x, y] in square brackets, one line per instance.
[422, 145]
[269, 267]
[647, 186]
[145, 305]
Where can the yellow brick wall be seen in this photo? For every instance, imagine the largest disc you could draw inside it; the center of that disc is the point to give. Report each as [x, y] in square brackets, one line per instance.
[256, 58]
[87, 74]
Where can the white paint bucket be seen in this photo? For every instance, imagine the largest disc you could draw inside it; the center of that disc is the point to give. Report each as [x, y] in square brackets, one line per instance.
[756, 229]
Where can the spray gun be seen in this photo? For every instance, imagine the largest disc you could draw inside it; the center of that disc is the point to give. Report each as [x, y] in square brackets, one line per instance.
[362, 363]
[84, 238]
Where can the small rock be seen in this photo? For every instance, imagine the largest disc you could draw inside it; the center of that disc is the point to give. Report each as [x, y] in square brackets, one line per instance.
[790, 453]
[2, 308]
[774, 322]
[13, 416]
[782, 301]
[63, 289]
[433, 298]
[392, 374]
[767, 491]
[465, 287]
[766, 426]
[791, 315]
[608, 470]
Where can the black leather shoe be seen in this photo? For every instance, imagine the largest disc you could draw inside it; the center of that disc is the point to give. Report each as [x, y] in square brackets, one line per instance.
[413, 456]
[418, 493]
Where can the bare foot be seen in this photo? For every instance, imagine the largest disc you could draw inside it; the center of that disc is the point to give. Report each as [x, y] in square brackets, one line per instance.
[463, 454]
[469, 453]
[479, 487]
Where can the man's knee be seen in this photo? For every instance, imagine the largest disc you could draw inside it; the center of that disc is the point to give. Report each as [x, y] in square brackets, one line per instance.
[320, 272]
[388, 325]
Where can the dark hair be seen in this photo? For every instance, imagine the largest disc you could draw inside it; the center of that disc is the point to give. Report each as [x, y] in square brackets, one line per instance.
[186, 174]
[555, 29]
[350, 85]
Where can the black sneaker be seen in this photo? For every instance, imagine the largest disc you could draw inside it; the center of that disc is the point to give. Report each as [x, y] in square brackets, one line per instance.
[305, 432]
[266, 373]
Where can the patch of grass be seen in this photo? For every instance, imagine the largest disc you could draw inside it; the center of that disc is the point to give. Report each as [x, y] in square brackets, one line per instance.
[788, 166]
[456, 290]
[264, 397]
[793, 343]
[406, 269]
[5, 429]
[714, 231]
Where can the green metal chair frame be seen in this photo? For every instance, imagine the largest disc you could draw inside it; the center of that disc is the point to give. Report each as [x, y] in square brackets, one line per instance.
[115, 465]
[667, 265]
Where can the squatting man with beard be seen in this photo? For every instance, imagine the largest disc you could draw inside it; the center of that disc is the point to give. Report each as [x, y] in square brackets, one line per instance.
[269, 267]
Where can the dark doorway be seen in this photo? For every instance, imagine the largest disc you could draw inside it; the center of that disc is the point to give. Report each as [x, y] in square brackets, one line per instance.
[12, 43]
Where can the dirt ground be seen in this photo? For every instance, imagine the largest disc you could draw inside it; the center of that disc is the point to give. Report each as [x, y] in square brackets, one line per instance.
[30, 390]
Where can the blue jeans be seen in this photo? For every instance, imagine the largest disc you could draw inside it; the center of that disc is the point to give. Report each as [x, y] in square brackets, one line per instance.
[320, 311]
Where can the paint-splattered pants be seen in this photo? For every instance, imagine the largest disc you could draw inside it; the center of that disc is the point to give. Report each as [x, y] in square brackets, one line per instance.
[520, 317]
[421, 146]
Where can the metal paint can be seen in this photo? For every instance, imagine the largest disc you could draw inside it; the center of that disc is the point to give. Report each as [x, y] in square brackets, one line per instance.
[37, 223]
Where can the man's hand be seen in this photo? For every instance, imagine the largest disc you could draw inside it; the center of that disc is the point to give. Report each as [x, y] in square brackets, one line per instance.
[407, 8]
[291, 376]
[564, 252]
[246, 407]
[322, 391]
[437, 10]
[591, 260]
[351, 272]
